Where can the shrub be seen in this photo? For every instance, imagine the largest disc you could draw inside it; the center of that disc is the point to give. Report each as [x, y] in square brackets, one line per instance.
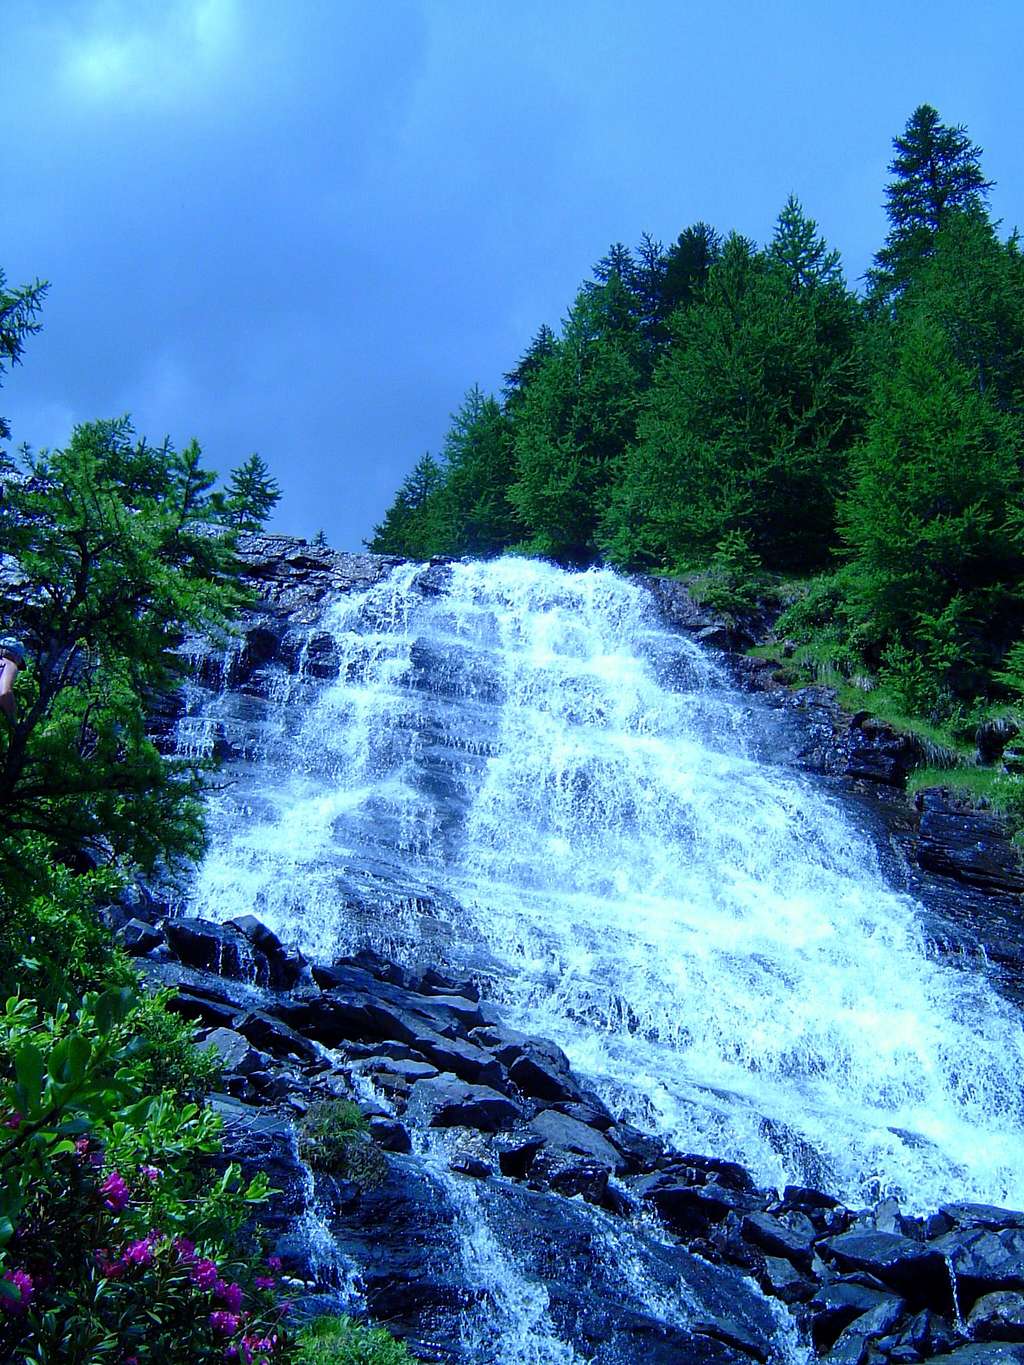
[168, 1058]
[113, 1239]
[334, 1137]
[341, 1341]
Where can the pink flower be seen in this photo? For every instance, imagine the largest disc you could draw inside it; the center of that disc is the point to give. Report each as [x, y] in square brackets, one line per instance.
[152, 1173]
[274, 1263]
[115, 1192]
[22, 1281]
[110, 1270]
[204, 1274]
[264, 1282]
[14, 1119]
[138, 1253]
[185, 1248]
[229, 1294]
[225, 1324]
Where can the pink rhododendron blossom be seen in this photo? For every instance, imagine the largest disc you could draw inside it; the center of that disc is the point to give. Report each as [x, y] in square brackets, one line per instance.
[204, 1274]
[229, 1294]
[225, 1324]
[185, 1248]
[152, 1173]
[274, 1262]
[115, 1192]
[14, 1119]
[264, 1282]
[138, 1253]
[22, 1281]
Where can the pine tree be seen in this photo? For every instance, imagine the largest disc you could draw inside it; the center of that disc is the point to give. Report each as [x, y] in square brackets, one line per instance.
[575, 421]
[518, 380]
[19, 309]
[745, 427]
[473, 514]
[250, 497]
[936, 171]
[116, 561]
[687, 263]
[410, 525]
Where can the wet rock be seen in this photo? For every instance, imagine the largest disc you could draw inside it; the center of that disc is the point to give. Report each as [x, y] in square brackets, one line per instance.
[464, 1163]
[566, 1134]
[797, 1197]
[980, 1216]
[516, 1154]
[236, 1053]
[783, 1281]
[570, 1175]
[284, 965]
[992, 737]
[998, 1317]
[914, 1269]
[641, 1152]
[925, 1335]
[852, 1343]
[775, 1238]
[201, 1008]
[594, 1115]
[213, 948]
[389, 1134]
[969, 845]
[277, 1038]
[689, 1209]
[835, 1306]
[987, 1353]
[877, 753]
[138, 938]
[984, 1260]
[447, 1102]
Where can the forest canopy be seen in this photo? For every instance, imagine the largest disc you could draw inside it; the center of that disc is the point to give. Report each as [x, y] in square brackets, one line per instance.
[720, 406]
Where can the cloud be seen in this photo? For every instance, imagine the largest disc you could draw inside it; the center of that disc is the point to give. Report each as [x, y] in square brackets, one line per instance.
[117, 50]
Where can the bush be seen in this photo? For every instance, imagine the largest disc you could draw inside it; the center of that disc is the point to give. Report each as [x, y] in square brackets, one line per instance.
[735, 581]
[168, 1057]
[334, 1137]
[341, 1341]
[113, 1239]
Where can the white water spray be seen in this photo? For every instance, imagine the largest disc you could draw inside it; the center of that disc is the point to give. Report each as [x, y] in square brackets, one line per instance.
[525, 770]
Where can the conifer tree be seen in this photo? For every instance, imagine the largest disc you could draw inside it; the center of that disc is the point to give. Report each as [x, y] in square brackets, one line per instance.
[410, 524]
[473, 514]
[936, 171]
[19, 309]
[250, 497]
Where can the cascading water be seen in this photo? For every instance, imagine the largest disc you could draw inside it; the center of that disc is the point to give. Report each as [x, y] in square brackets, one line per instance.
[518, 769]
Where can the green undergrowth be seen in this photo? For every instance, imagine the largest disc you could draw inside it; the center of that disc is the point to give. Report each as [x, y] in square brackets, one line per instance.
[342, 1341]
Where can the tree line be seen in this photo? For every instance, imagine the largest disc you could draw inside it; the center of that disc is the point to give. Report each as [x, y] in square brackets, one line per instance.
[738, 409]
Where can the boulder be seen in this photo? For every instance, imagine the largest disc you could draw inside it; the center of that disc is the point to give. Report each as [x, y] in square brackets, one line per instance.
[284, 965]
[277, 1038]
[216, 948]
[914, 1269]
[983, 1260]
[774, 1237]
[565, 1134]
[139, 938]
[236, 1053]
[447, 1102]
[835, 1306]
[997, 1317]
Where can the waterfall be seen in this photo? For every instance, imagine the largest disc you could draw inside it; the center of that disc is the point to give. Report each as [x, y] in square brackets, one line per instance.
[519, 770]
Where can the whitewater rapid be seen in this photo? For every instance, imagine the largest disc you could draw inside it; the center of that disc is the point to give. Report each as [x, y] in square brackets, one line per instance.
[520, 770]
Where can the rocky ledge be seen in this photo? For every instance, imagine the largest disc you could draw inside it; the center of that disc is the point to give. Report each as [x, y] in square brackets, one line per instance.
[424, 1055]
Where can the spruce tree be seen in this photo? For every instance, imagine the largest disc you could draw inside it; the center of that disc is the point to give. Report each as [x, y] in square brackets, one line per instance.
[936, 171]
[473, 514]
[250, 497]
[410, 525]
[19, 310]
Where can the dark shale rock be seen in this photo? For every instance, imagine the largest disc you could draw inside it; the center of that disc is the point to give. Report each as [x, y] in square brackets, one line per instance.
[570, 1175]
[983, 1261]
[987, 1353]
[775, 1238]
[980, 1216]
[138, 938]
[202, 1009]
[851, 1344]
[835, 1306]
[968, 845]
[516, 1154]
[389, 1134]
[277, 1038]
[213, 948]
[236, 1053]
[566, 1134]
[782, 1280]
[916, 1270]
[446, 1102]
[998, 1317]
[284, 965]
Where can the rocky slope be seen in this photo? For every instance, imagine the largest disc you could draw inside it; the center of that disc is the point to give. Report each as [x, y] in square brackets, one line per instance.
[460, 1101]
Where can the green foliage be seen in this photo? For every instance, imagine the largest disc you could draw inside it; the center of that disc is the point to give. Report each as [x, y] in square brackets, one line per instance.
[410, 524]
[116, 561]
[747, 423]
[19, 310]
[334, 1137]
[936, 172]
[735, 581]
[167, 1057]
[250, 497]
[576, 420]
[52, 942]
[111, 1238]
[342, 1341]
[472, 514]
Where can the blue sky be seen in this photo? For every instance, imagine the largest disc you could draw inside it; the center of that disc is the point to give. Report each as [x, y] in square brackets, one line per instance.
[306, 227]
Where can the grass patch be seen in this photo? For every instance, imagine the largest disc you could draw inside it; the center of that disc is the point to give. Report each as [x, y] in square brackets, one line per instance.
[342, 1341]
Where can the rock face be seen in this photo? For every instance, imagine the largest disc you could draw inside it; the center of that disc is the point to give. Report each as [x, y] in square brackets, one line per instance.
[572, 1185]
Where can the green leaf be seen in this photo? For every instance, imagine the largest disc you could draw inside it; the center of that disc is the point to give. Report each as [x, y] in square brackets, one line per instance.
[28, 1068]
